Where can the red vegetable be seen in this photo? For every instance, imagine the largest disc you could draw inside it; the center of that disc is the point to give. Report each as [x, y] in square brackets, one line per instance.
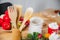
[21, 18]
[27, 22]
[1, 21]
[6, 12]
[39, 35]
[6, 26]
[6, 18]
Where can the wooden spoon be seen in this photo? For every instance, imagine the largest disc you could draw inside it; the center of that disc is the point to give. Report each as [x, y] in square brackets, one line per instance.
[27, 16]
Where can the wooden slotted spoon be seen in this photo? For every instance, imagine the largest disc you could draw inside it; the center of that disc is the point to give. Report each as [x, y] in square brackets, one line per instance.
[27, 16]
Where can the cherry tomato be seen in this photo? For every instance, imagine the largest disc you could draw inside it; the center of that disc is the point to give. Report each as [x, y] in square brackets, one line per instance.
[6, 18]
[6, 26]
[39, 35]
[1, 21]
[27, 23]
[21, 19]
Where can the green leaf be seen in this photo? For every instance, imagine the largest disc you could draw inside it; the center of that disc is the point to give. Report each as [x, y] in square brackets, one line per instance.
[35, 35]
[36, 38]
[29, 36]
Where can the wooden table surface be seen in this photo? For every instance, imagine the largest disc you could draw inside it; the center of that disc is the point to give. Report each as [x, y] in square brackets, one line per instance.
[7, 36]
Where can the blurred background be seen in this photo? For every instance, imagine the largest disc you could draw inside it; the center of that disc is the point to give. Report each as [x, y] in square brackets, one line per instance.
[37, 5]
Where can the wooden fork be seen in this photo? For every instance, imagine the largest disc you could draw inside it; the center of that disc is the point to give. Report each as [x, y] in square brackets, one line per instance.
[13, 15]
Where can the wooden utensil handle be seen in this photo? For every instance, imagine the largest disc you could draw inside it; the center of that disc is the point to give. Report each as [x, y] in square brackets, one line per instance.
[16, 34]
[13, 24]
[22, 26]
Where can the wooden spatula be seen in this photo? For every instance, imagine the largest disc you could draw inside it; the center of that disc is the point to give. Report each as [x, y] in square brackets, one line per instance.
[13, 15]
[27, 15]
[19, 12]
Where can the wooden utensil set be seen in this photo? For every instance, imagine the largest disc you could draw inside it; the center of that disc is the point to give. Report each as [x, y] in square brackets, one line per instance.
[14, 16]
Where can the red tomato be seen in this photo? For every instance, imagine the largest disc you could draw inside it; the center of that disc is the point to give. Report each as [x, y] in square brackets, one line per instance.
[39, 35]
[27, 23]
[6, 26]
[6, 18]
[21, 18]
[1, 21]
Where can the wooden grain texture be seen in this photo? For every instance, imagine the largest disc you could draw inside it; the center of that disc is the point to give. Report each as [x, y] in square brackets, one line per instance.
[5, 36]
[16, 34]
